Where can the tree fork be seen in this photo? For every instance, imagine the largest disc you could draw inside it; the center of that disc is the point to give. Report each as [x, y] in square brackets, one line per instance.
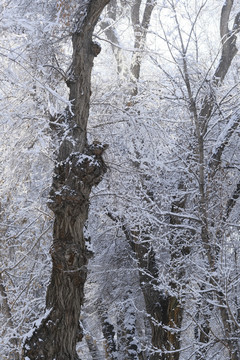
[79, 167]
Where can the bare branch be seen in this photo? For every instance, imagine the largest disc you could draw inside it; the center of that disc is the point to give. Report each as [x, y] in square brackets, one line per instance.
[229, 51]
[222, 142]
[225, 14]
[228, 38]
[232, 201]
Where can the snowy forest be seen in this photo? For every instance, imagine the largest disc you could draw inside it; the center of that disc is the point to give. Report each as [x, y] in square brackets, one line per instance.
[120, 180]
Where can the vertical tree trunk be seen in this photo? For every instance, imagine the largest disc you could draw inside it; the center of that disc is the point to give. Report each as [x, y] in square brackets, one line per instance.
[7, 316]
[79, 166]
[163, 310]
[113, 37]
[108, 331]
[229, 50]
[140, 28]
[140, 34]
[126, 329]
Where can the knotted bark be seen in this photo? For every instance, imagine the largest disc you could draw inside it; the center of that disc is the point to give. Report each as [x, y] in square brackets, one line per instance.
[78, 168]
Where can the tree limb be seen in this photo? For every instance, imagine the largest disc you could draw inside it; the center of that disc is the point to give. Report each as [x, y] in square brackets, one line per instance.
[222, 142]
[232, 201]
[228, 38]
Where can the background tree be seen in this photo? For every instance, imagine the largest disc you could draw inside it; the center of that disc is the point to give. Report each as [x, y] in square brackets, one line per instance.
[173, 214]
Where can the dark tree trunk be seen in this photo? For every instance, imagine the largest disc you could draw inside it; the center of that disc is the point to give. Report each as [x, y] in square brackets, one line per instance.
[163, 310]
[108, 331]
[79, 166]
[7, 316]
[126, 330]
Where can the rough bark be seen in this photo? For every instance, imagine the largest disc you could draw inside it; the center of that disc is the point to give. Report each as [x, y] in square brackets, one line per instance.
[163, 310]
[79, 166]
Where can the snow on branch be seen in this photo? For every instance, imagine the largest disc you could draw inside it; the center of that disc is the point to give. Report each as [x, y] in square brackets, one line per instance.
[222, 142]
[232, 201]
[229, 39]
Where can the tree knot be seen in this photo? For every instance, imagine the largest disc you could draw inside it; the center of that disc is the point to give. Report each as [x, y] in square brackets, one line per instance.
[95, 48]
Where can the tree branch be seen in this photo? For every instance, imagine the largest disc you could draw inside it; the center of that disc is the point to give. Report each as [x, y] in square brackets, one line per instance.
[232, 201]
[228, 38]
[222, 142]
[229, 51]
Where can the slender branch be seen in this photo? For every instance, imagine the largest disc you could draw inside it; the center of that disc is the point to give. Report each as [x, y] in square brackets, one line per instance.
[232, 201]
[222, 142]
[29, 251]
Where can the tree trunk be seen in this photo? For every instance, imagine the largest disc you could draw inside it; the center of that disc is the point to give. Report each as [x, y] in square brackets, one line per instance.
[114, 40]
[7, 317]
[140, 29]
[108, 331]
[127, 340]
[79, 166]
[163, 310]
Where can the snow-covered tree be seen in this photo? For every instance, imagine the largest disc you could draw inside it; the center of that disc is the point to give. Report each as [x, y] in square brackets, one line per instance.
[161, 228]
